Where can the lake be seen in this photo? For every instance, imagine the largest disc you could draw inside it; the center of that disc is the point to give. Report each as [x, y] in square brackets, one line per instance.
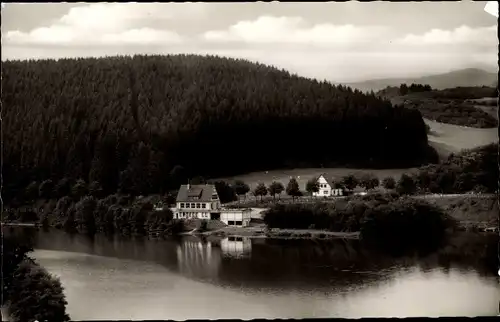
[139, 278]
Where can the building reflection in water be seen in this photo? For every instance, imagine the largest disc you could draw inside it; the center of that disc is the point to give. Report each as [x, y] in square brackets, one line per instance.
[236, 246]
[198, 258]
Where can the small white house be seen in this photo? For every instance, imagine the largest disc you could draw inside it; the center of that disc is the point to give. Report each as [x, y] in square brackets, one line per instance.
[236, 217]
[326, 188]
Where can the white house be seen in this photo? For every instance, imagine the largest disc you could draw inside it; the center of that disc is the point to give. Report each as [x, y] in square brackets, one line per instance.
[197, 201]
[326, 188]
[202, 202]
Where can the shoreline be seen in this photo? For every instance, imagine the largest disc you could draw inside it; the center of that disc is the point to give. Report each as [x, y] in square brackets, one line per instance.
[275, 233]
[469, 219]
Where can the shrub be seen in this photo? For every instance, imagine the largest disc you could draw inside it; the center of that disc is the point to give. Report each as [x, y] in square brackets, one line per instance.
[389, 183]
[405, 221]
[157, 218]
[36, 295]
[406, 185]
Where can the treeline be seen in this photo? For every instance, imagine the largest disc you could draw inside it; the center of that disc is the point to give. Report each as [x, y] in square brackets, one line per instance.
[29, 292]
[474, 170]
[83, 210]
[414, 88]
[145, 124]
[122, 214]
[378, 217]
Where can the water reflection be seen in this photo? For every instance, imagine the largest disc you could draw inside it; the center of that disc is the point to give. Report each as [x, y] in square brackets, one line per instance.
[141, 278]
[295, 278]
[237, 247]
[198, 258]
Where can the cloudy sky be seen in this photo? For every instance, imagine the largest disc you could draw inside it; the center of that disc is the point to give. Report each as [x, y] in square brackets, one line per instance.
[345, 41]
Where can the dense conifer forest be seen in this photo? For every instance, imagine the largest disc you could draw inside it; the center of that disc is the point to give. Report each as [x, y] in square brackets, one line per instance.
[145, 124]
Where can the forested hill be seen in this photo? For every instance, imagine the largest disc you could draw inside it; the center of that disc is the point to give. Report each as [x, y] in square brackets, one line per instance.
[207, 116]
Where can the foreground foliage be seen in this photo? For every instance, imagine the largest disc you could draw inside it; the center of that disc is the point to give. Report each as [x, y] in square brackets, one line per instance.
[139, 124]
[29, 291]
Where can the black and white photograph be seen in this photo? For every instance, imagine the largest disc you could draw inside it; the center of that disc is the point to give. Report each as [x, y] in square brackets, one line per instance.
[249, 160]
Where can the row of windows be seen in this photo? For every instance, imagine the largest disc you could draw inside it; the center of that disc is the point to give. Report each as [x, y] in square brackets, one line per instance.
[193, 205]
[335, 192]
[323, 185]
[234, 223]
[192, 215]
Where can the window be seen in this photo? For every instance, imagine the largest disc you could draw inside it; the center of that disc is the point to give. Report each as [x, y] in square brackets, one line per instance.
[182, 205]
[198, 205]
[214, 197]
[237, 223]
[238, 239]
[325, 192]
[230, 223]
[192, 205]
[231, 238]
[203, 205]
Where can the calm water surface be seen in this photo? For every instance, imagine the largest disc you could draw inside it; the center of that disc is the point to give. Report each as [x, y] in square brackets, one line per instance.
[120, 278]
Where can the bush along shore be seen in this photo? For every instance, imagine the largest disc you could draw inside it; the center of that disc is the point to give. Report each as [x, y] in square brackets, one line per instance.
[29, 292]
[379, 218]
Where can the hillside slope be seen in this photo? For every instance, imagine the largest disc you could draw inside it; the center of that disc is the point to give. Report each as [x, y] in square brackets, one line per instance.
[460, 78]
[458, 118]
[147, 123]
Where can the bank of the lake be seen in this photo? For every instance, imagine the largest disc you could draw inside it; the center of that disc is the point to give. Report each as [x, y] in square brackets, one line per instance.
[191, 278]
[136, 217]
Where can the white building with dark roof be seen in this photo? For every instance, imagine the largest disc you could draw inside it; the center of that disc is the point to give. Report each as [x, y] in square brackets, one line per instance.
[202, 202]
[326, 188]
[197, 201]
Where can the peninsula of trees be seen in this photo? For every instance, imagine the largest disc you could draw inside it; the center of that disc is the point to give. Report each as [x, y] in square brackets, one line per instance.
[145, 124]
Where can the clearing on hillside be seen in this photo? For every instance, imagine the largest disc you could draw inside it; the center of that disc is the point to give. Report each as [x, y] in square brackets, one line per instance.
[448, 138]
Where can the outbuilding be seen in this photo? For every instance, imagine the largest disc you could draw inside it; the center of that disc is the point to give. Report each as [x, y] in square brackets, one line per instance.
[236, 217]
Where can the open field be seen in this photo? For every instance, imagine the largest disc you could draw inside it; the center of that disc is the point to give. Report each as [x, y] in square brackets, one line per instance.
[448, 138]
[303, 175]
[445, 138]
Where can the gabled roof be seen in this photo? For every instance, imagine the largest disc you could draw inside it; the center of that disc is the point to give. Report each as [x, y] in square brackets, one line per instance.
[196, 193]
[328, 180]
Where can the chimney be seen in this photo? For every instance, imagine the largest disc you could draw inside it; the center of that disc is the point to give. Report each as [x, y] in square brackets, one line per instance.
[188, 185]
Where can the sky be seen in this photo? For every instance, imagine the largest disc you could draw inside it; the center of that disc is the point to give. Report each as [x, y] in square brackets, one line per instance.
[337, 41]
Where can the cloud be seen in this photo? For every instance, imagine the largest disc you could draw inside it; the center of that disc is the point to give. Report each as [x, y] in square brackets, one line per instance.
[109, 24]
[464, 35]
[295, 31]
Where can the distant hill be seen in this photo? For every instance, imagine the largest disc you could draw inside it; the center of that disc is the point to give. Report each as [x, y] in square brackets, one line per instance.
[144, 124]
[461, 78]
